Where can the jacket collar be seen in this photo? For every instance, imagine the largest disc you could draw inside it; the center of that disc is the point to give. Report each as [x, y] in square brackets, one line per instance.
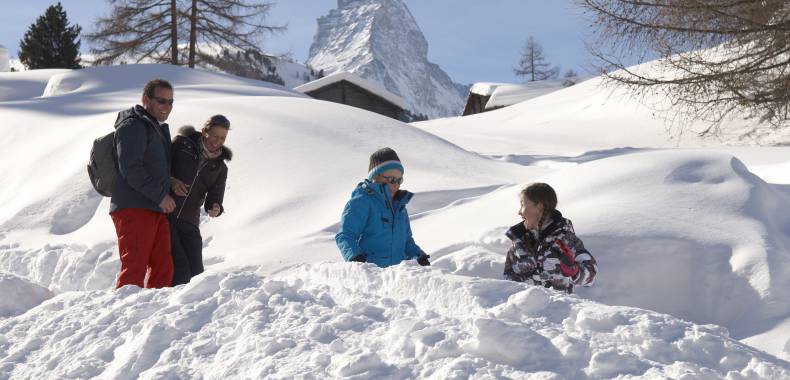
[519, 231]
[380, 190]
[143, 114]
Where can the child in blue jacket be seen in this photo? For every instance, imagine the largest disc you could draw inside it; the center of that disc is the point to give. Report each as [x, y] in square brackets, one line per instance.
[374, 227]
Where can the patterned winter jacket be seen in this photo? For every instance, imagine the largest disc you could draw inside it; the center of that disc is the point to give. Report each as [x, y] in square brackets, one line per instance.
[557, 260]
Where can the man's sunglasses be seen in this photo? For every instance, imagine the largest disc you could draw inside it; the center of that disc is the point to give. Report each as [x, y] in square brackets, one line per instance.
[162, 101]
[392, 180]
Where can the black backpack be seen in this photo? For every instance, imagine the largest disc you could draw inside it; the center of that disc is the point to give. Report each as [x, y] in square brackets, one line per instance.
[103, 164]
[103, 161]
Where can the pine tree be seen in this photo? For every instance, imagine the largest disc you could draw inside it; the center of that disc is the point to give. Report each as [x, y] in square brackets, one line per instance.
[533, 64]
[51, 42]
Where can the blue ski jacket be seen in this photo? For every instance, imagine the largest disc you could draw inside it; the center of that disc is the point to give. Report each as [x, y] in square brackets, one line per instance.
[377, 226]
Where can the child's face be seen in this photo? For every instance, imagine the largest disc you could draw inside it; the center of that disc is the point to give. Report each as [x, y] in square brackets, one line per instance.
[531, 213]
[393, 178]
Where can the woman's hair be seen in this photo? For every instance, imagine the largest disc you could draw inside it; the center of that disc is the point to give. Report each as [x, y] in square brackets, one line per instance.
[216, 121]
[541, 193]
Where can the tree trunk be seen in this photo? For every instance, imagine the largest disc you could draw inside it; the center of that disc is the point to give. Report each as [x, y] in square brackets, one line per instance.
[192, 34]
[173, 33]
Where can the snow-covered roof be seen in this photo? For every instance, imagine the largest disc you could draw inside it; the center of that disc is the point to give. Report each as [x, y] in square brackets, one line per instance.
[506, 94]
[485, 88]
[355, 79]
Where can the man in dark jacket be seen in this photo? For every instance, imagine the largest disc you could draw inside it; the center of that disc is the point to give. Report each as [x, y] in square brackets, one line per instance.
[198, 179]
[140, 197]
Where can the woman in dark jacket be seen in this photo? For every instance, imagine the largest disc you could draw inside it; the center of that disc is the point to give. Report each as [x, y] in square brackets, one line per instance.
[198, 173]
[546, 250]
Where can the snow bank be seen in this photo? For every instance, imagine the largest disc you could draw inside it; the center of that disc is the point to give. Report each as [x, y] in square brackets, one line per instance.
[19, 295]
[358, 321]
[24, 85]
[110, 79]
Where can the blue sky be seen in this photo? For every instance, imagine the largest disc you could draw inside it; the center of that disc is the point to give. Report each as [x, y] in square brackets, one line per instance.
[472, 40]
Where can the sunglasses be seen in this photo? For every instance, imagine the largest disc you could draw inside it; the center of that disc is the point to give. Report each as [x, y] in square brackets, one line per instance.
[392, 180]
[162, 101]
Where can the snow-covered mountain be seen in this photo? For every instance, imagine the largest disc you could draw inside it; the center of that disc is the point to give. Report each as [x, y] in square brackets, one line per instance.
[380, 41]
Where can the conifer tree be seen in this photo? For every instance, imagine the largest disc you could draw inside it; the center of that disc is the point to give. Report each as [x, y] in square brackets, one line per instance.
[51, 42]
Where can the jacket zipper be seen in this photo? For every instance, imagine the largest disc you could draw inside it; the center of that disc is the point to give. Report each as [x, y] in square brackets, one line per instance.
[190, 188]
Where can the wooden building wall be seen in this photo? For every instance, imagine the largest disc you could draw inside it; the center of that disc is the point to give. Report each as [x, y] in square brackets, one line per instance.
[345, 92]
[476, 103]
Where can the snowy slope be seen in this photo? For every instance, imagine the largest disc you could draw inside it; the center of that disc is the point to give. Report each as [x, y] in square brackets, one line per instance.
[585, 117]
[379, 40]
[690, 232]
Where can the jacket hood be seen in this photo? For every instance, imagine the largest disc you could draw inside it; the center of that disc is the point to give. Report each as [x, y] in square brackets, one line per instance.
[191, 133]
[136, 112]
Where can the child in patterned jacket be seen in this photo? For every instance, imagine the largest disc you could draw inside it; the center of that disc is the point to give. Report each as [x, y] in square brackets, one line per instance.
[546, 250]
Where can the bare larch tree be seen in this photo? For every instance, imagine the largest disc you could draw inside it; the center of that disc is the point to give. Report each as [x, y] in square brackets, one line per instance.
[233, 24]
[715, 56]
[161, 30]
[137, 29]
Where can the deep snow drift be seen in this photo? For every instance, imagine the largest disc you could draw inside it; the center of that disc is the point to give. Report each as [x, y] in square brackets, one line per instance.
[689, 232]
[359, 321]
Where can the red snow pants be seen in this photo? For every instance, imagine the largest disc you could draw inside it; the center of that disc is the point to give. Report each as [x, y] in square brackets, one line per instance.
[144, 246]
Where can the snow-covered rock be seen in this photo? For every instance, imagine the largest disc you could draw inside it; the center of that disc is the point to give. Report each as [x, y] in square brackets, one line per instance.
[379, 40]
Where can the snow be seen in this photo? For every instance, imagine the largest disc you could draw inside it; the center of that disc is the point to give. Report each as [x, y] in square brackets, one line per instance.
[25, 85]
[358, 321]
[20, 295]
[349, 77]
[693, 243]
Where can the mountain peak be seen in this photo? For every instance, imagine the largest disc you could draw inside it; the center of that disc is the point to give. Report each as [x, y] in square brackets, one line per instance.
[380, 40]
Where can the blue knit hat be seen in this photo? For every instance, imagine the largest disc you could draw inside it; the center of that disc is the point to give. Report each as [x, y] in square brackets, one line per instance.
[382, 160]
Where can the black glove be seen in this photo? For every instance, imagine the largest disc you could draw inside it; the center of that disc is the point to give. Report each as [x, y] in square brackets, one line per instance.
[361, 258]
[423, 260]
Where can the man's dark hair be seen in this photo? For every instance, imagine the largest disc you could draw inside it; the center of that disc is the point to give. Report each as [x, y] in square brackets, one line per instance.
[153, 84]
